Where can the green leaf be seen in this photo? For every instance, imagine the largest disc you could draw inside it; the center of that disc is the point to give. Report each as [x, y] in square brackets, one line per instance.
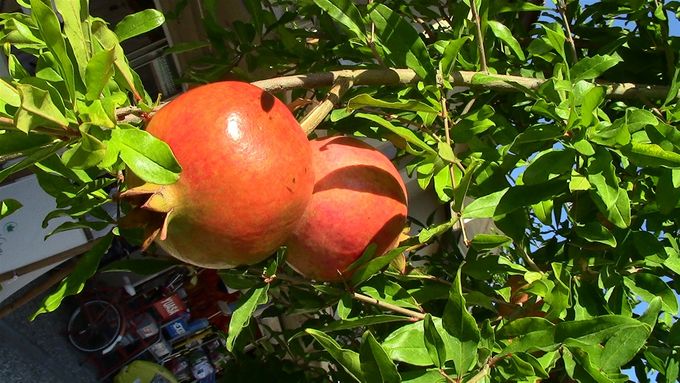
[403, 44]
[556, 39]
[375, 265]
[448, 60]
[148, 157]
[595, 232]
[31, 157]
[528, 334]
[98, 72]
[8, 94]
[37, 109]
[346, 13]
[390, 292]
[50, 30]
[376, 365]
[648, 286]
[402, 132]
[589, 68]
[595, 330]
[490, 241]
[610, 199]
[9, 206]
[578, 182]
[352, 323]
[138, 23]
[485, 206]
[433, 342]
[461, 325]
[591, 101]
[74, 283]
[74, 27]
[548, 165]
[428, 233]
[245, 308]
[348, 359]
[622, 347]
[651, 155]
[363, 100]
[504, 33]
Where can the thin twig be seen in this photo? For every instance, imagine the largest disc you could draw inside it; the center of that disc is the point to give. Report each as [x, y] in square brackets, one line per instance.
[527, 259]
[446, 376]
[319, 113]
[447, 133]
[480, 36]
[562, 8]
[387, 306]
[371, 43]
[480, 375]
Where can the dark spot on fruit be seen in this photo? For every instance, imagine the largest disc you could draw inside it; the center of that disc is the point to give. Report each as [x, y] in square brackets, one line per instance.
[293, 179]
[267, 101]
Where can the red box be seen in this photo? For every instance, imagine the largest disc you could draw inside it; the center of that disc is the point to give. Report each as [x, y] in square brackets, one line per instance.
[170, 307]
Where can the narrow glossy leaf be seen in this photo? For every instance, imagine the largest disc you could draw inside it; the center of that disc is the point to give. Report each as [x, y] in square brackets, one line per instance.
[528, 334]
[433, 342]
[138, 23]
[448, 60]
[32, 156]
[548, 165]
[390, 292]
[73, 284]
[402, 132]
[595, 232]
[148, 157]
[346, 13]
[504, 33]
[352, 323]
[578, 182]
[37, 109]
[615, 134]
[543, 211]
[367, 255]
[591, 101]
[365, 99]
[622, 347]
[375, 265]
[556, 39]
[71, 13]
[98, 72]
[245, 308]
[49, 27]
[461, 325]
[9, 206]
[651, 155]
[8, 94]
[484, 207]
[442, 183]
[589, 68]
[66, 226]
[638, 119]
[403, 44]
[648, 286]
[424, 376]
[490, 241]
[602, 175]
[349, 360]
[427, 234]
[579, 366]
[376, 365]
[595, 330]
[109, 40]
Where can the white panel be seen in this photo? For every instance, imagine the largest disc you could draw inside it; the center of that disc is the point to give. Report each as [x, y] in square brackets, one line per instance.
[22, 238]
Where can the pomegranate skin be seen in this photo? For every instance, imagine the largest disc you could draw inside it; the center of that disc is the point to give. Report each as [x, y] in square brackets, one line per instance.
[246, 174]
[359, 198]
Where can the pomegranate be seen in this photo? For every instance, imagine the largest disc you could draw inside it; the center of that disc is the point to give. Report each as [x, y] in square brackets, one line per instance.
[359, 198]
[246, 176]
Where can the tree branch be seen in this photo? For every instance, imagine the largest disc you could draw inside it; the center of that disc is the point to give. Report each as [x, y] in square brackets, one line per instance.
[498, 82]
[562, 8]
[388, 306]
[319, 113]
[479, 35]
[400, 76]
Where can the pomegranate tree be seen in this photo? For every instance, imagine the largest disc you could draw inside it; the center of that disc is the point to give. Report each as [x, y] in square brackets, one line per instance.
[245, 182]
[359, 199]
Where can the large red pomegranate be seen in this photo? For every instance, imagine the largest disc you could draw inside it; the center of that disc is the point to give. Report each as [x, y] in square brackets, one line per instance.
[359, 198]
[246, 175]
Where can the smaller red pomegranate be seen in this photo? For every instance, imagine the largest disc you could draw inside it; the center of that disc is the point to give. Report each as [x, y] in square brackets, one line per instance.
[359, 199]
